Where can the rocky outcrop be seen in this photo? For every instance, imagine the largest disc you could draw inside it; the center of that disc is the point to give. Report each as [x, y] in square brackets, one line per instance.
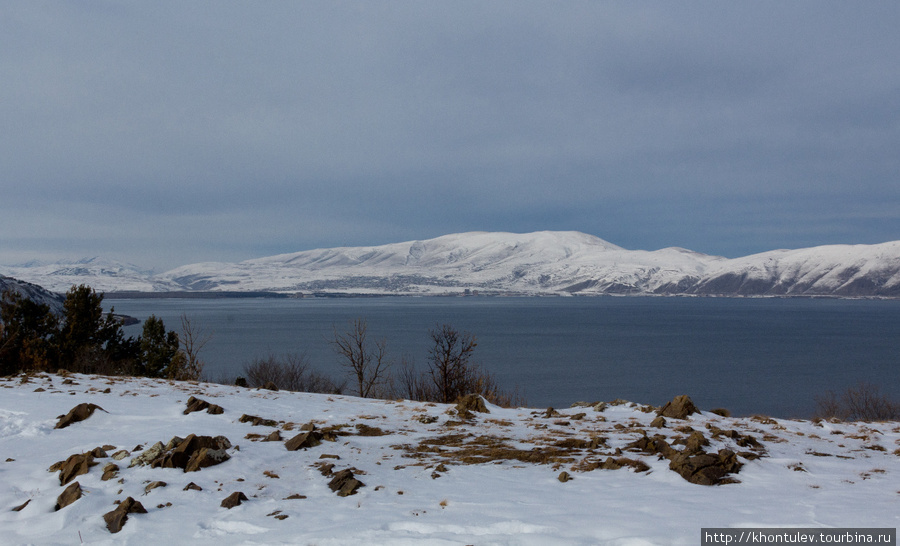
[470, 403]
[196, 404]
[304, 440]
[679, 408]
[116, 519]
[344, 483]
[68, 496]
[234, 499]
[74, 466]
[706, 468]
[76, 414]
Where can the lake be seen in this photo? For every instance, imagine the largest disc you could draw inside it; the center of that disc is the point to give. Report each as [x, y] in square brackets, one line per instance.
[749, 355]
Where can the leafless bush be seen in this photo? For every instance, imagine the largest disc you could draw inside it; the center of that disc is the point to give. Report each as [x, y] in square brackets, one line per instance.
[864, 402]
[451, 373]
[367, 363]
[192, 338]
[291, 373]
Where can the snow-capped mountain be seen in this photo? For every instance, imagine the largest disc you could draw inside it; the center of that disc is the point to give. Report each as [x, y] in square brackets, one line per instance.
[102, 275]
[494, 263]
[560, 263]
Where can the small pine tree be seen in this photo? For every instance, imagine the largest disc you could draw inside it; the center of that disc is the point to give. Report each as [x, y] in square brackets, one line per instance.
[158, 349]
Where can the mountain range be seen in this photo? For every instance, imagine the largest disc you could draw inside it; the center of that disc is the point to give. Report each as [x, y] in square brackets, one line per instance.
[541, 263]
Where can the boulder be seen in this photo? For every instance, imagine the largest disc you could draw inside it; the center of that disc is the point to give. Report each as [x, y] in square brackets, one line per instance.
[678, 408]
[110, 471]
[304, 440]
[706, 468]
[116, 519]
[471, 402]
[233, 500]
[192, 487]
[206, 457]
[75, 465]
[196, 404]
[76, 414]
[257, 421]
[153, 485]
[695, 442]
[68, 496]
[148, 456]
[344, 483]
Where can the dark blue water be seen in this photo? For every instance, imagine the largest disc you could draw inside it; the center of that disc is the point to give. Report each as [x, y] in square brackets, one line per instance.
[770, 356]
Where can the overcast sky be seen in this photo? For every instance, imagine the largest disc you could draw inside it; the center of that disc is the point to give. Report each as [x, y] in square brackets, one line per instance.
[171, 132]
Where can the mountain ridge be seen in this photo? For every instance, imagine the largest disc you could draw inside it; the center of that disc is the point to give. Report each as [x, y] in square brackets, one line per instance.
[501, 263]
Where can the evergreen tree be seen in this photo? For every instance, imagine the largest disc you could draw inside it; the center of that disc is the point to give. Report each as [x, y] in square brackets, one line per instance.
[159, 349]
[27, 334]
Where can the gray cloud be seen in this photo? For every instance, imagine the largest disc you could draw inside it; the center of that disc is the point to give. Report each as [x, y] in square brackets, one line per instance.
[173, 132]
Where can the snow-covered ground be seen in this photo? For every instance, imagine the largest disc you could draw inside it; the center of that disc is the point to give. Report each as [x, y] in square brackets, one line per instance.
[430, 476]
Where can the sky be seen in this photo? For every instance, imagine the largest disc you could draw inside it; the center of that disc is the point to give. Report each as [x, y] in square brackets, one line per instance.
[166, 133]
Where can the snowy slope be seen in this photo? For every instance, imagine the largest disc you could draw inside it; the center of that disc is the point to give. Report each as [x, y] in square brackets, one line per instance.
[32, 291]
[533, 263]
[429, 476]
[538, 263]
[841, 270]
[102, 275]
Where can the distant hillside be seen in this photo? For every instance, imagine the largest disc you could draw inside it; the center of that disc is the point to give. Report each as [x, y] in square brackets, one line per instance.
[541, 263]
[32, 291]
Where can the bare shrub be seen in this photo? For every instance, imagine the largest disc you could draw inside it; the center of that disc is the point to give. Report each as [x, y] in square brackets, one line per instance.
[291, 373]
[192, 339]
[863, 402]
[451, 373]
[366, 362]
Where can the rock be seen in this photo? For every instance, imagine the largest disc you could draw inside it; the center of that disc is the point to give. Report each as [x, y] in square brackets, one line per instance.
[196, 404]
[233, 500]
[192, 487]
[274, 436]
[654, 445]
[564, 477]
[304, 440]
[600, 406]
[679, 408]
[471, 402]
[78, 413]
[21, 506]
[148, 455]
[257, 421]
[121, 454]
[173, 443]
[705, 468]
[344, 483]
[206, 457]
[99, 453]
[116, 519]
[67, 497]
[659, 422]
[695, 442]
[153, 485]
[75, 465]
[110, 471]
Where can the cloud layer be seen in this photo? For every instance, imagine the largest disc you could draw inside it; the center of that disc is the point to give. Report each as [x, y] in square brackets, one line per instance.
[170, 132]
